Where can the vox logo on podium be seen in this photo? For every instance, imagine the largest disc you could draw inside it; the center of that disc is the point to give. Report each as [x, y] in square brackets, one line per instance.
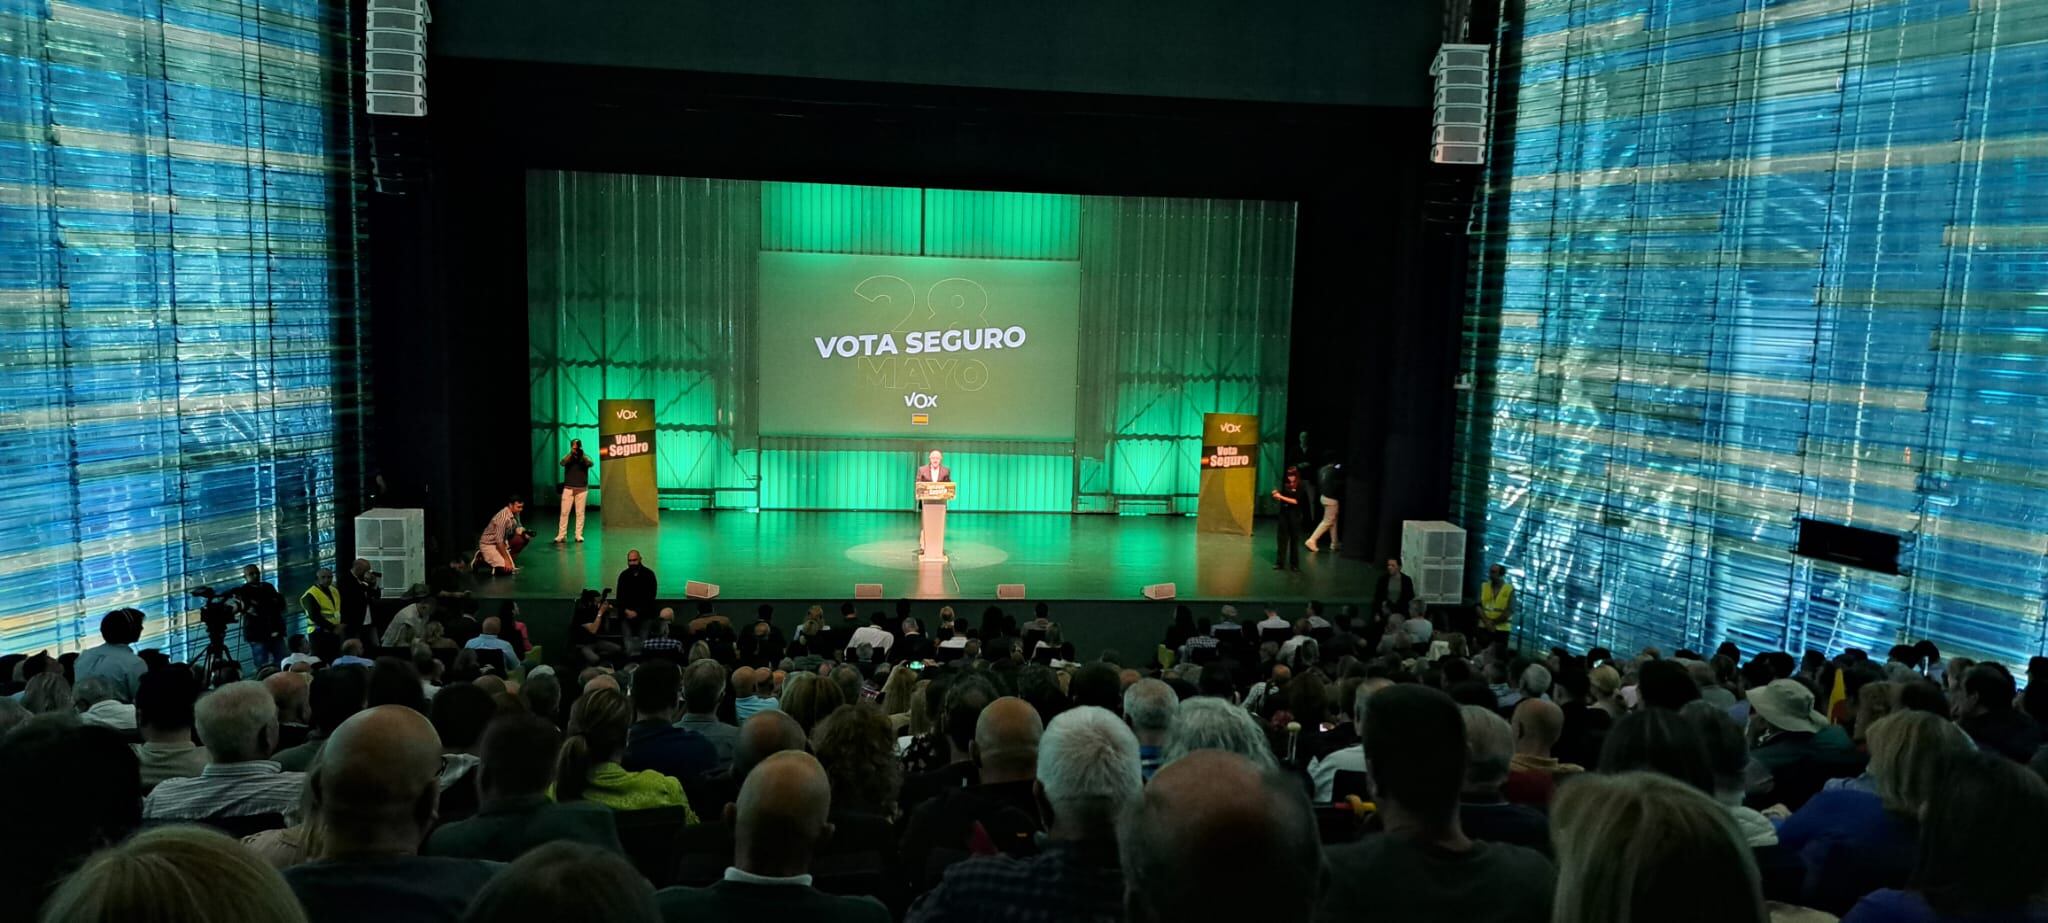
[918, 400]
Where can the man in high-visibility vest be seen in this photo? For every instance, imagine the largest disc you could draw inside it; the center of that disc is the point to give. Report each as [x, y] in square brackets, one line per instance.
[1496, 605]
[322, 602]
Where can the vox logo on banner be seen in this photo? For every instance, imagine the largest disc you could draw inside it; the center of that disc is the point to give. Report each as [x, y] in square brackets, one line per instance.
[1230, 473]
[625, 452]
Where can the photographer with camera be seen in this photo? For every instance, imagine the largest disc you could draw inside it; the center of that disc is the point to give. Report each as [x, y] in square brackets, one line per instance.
[262, 617]
[588, 627]
[358, 589]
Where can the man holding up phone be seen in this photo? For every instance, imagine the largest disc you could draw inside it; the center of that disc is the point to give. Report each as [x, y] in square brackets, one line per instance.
[575, 489]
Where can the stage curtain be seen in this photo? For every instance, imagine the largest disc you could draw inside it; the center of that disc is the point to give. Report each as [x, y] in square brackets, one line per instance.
[643, 286]
[176, 231]
[1746, 262]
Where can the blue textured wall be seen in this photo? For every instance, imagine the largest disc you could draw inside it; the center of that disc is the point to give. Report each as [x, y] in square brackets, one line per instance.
[1747, 261]
[171, 295]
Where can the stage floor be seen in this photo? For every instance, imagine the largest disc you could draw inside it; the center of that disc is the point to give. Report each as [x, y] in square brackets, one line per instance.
[821, 555]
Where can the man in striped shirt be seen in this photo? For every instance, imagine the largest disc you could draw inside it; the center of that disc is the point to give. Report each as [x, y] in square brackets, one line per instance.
[238, 725]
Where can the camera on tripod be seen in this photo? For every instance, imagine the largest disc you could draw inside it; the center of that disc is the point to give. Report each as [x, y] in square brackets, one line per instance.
[218, 612]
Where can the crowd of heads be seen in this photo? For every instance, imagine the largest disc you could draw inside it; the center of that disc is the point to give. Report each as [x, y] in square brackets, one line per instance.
[1242, 781]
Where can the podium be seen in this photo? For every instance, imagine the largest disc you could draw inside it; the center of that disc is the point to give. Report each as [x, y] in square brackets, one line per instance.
[932, 497]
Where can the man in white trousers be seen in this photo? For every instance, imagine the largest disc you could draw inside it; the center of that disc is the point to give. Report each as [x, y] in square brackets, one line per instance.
[575, 489]
[1329, 486]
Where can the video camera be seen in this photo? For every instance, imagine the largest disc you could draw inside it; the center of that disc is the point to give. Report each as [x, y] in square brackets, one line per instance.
[218, 611]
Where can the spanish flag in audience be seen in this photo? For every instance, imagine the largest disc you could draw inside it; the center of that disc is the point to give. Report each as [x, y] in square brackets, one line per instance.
[1838, 697]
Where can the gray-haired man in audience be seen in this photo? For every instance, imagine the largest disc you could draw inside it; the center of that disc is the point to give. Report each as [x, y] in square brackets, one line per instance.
[1087, 776]
[238, 725]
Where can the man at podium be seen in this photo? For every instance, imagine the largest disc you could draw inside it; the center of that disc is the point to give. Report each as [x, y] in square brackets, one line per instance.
[931, 535]
[935, 471]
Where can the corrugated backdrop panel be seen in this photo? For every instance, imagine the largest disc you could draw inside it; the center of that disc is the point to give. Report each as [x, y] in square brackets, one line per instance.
[645, 285]
[177, 357]
[1750, 261]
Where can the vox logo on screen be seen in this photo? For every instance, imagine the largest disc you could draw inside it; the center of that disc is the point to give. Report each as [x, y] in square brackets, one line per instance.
[843, 337]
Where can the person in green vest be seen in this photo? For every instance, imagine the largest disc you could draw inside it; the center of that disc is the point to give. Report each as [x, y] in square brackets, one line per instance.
[1496, 605]
[322, 602]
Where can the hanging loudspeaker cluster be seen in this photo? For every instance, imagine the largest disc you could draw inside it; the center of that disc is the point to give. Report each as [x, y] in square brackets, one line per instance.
[395, 57]
[1459, 135]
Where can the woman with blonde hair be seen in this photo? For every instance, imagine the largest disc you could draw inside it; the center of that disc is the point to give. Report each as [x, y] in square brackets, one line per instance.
[185, 873]
[898, 693]
[588, 768]
[1873, 702]
[1857, 840]
[1640, 847]
[808, 698]
[1604, 682]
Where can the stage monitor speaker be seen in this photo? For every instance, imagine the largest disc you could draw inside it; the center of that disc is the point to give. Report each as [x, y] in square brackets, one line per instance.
[698, 589]
[1159, 591]
[1009, 591]
[867, 591]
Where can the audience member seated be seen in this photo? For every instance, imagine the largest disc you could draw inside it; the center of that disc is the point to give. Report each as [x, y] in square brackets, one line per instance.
[352, 655]
[746, 700]
[1658, 740]
[1087, 776]
[1215, 838]
[181, 873]
[1534, 773]
[1213, 724]
[1665, 684]
[808, 698]
[1483, 811]
[1322, 773]
[1585, 727]
[1040, 686]
[393, 681]
[703, 688]
[374, 794]
[654, 742]
[163, 713]
[460, 717]
[1709, 682]
[1796, 744]
[1855, 841]
[1779, 868]
[1097, 684]
[541, 693]
[999, 812]
[1728, 759]
[100, 704]
[1984, 710]
[1983, 855]
[1148, 706]
[779, 822]
[487, 641]
[965, 697]
[113, 658]
[514, 814]
[589, 768]
[848, 680]
[49, 693]
[566, 883]
[857, 747]
[1641, 846]
[337, 694]
[293, 694]
[1423, 867]
[238, 725]
[65, 791]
